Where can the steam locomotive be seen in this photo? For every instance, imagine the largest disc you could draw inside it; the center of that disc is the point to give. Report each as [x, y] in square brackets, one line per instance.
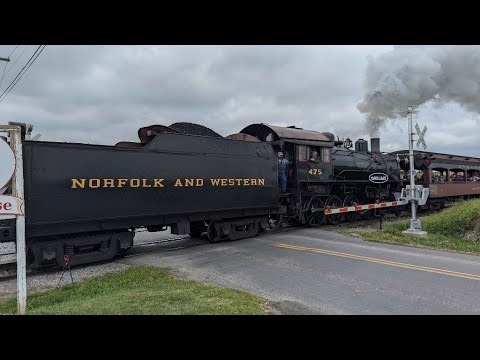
[339, 177]
[86, 201]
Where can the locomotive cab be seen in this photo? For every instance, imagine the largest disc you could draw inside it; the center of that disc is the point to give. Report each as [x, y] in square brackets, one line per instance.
[309, 154]
[313, 163]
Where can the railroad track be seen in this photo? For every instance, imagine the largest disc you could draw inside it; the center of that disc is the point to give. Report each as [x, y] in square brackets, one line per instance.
[185, 241]
[8, 271]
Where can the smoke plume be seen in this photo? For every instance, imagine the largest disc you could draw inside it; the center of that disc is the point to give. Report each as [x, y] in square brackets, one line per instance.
[415, 75]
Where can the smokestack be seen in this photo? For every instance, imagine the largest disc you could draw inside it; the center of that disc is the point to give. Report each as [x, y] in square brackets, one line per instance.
[375, 145]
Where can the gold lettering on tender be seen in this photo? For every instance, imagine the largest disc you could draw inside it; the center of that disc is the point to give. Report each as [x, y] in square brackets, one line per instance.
[261, 182]
[94, 183]
[158, 183]
[254, 182]
[188, 182]
[199, 182]
[78, 183]
[224, 182]
[134, 182]
[144, 183]
[215, 182]
[121, 182]
[239, 181]
[231, 182]
[108, 183]
[178, 182]
[246, 182]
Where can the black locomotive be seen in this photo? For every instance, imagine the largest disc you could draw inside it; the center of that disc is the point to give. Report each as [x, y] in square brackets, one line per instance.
[335, 177]
[86, 201]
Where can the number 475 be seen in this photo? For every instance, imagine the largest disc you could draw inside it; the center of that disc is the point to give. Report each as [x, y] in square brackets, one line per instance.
[315, 171]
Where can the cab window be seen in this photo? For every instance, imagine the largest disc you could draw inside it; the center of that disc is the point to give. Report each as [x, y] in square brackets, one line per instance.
[302, 154]
[326, 155]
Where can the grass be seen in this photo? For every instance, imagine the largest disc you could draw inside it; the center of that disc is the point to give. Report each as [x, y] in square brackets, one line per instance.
[140, 290]
[456, 229]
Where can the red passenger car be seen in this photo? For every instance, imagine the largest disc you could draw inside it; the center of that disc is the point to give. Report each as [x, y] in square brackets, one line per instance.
[447, 176]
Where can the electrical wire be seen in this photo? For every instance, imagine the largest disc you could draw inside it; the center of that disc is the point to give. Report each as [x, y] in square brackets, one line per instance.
[13, 51]
[20, 74]
[3, 75]
[6, 63]
[18, 58]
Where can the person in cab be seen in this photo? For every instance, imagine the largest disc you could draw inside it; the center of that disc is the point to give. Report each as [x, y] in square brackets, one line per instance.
[282, 172]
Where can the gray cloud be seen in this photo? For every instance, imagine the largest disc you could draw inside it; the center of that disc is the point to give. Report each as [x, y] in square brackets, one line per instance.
[416, 75]
[103, 94]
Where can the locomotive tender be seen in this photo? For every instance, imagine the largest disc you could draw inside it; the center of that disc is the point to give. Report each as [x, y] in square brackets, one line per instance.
[85, 201]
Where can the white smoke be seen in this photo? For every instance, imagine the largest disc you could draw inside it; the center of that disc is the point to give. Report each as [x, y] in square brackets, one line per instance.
[415, 75]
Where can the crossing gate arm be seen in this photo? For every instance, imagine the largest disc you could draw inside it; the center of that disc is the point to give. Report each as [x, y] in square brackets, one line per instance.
[365, 207]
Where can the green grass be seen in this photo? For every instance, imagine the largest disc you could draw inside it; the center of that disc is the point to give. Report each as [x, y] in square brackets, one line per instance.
[140, 290]
[447, 230]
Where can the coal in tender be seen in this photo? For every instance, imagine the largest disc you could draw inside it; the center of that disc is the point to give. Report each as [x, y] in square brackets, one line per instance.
[194, 129]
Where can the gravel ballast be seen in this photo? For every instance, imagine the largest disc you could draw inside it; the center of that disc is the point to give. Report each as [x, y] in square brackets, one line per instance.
[45, 281]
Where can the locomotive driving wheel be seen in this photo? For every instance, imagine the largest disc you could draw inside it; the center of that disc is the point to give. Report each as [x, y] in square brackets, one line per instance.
[367, 214]
[315, 211]
[334, 202]
[351, 200]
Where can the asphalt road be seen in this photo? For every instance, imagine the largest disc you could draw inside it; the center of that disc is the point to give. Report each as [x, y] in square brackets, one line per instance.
[313, 271]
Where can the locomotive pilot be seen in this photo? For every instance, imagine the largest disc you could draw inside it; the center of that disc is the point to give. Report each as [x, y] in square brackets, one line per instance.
[282, 172]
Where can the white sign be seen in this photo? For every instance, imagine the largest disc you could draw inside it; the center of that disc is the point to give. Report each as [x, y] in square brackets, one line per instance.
[378, 178]
[7, 163]
[11, 205]
[421, 134]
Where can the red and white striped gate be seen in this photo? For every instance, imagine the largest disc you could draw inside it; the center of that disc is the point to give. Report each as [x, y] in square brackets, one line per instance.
[377, 205]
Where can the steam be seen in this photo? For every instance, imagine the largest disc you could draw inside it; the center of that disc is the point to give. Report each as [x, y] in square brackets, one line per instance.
[415, 75]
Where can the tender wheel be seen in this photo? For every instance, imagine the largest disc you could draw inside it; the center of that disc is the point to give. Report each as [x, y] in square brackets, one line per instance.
[213, 232]
[197, 228]
[351, 200]
[334, 202]
[315, 212]
[275, 221]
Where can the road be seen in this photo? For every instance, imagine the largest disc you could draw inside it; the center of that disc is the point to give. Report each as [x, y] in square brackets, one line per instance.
[313, 271]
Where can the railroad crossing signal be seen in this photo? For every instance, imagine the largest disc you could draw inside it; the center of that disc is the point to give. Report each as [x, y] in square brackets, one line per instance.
[421, 134]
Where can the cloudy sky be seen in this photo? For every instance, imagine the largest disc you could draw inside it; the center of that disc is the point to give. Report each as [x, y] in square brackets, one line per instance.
[103, 94]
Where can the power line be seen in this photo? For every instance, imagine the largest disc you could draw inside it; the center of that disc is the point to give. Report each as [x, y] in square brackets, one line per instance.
[8, 87]
[20, 74]
[3, 75]
[18, 58]
[13, 51]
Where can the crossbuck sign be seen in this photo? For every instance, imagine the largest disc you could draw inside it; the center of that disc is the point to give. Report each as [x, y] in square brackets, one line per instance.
[421, 134]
